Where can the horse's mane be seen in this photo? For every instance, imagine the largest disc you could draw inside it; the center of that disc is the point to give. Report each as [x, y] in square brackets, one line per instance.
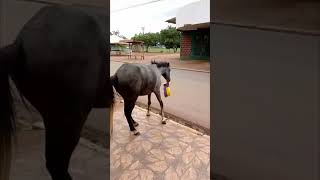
[161, 63]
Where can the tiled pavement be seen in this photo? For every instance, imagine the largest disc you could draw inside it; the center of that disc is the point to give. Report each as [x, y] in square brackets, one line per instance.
[161, 152]
[170, 151]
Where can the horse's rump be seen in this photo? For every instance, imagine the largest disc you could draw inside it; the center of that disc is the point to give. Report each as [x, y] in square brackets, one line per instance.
[61, 66]
[65, 57]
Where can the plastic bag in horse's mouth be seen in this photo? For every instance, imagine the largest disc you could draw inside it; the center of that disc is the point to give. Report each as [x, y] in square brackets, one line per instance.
[166, 90]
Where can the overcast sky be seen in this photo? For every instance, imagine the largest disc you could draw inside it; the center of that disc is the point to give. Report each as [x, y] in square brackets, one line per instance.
[151, 16]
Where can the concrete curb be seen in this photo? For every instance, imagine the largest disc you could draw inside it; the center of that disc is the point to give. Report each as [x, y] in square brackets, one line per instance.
[185, 69]
[172, 121]
[178, 120]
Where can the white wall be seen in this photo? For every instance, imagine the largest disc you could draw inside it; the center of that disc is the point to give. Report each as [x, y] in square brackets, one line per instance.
[194, 13]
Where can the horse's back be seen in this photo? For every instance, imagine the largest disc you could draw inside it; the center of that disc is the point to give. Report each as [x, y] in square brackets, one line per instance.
[136, 79]
[55, 33]
[64, 57]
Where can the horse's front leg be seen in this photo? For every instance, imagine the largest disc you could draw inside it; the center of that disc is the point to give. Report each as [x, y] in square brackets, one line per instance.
[163, 120]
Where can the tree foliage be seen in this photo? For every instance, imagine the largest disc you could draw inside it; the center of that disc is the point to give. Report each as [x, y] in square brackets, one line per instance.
[170, 38]
[149, 39]
[117, 33]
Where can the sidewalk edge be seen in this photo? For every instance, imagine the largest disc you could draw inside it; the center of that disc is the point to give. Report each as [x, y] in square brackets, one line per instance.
[178, 120]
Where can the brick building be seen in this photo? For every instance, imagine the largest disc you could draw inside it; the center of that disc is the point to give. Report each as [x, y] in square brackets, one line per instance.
[192, 21]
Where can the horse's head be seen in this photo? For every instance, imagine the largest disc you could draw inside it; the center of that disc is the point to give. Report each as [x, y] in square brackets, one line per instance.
[164, 68]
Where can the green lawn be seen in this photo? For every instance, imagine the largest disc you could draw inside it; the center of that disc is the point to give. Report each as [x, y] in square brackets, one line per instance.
[161, 50]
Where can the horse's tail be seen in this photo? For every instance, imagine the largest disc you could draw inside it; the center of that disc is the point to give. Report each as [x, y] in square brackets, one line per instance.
[8, 56]
[115, 83]
[114, 80]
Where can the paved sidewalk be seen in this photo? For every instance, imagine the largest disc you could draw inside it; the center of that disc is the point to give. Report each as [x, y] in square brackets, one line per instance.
[174, 59]
[161, 152]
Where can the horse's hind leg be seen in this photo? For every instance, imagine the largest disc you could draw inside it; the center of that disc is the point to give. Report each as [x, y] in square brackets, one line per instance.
[128, 108]
[62, 136]
[135, 124]
[157, 93]
[149, 103]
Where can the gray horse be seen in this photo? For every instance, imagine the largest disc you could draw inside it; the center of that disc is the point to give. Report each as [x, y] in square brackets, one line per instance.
[134, 80]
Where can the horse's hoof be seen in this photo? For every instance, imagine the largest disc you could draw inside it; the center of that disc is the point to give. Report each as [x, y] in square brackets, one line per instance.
[135, 124]
[164, 122]
[136, 133]
[148, 114]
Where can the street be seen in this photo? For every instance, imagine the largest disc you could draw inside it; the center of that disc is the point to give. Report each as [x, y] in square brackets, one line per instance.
[190, 95]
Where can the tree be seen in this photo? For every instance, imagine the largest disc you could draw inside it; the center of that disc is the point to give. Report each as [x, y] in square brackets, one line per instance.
[123, 37]
[170, 38]
[149, 39]
[117, 33]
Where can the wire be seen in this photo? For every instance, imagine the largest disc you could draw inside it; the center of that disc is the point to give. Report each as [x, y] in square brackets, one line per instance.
[136, 5]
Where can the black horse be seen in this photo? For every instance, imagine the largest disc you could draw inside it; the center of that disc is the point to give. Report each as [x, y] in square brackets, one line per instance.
[134, 80]
[59, 62]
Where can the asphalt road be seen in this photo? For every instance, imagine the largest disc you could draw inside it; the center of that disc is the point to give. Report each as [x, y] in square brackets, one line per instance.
[190, 95]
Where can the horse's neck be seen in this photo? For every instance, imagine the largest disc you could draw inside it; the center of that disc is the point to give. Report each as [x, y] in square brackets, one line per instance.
[160, 70]
[157, 69]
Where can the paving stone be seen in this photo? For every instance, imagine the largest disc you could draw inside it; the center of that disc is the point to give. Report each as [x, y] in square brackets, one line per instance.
[161, 152]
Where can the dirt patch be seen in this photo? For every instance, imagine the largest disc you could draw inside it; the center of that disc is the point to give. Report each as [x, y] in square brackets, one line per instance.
[174, 59]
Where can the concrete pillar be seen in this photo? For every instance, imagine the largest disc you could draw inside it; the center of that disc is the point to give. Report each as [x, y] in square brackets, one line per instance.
[266, 104]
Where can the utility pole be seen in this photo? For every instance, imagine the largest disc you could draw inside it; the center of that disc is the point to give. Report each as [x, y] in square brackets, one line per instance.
[142, 30]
